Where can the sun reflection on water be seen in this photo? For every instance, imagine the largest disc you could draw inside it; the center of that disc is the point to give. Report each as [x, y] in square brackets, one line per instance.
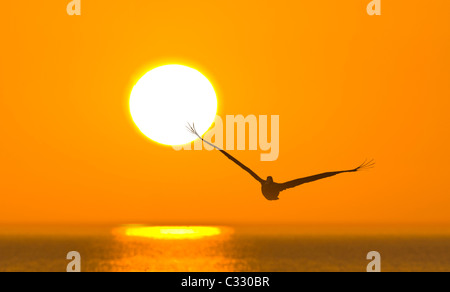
[172, 249]
[173, 232]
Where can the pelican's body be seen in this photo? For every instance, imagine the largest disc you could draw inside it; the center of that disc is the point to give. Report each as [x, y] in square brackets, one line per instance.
[270, 189]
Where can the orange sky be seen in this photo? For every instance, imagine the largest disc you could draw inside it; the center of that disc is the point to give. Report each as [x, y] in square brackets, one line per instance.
[347, 87]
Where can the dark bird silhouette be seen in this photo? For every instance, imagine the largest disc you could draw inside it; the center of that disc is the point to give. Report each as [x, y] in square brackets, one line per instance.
[270, 189]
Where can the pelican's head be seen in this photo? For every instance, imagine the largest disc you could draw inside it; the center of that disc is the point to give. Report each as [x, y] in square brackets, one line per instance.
[270, 179]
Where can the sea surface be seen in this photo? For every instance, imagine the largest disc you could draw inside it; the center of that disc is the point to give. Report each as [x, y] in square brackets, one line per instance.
[218, 249]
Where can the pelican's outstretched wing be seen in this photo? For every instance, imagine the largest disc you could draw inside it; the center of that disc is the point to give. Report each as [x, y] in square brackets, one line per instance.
[255, 176]
[297, 182]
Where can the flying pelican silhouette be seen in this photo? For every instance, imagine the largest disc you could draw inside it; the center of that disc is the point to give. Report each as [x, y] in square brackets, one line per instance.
[270, 189]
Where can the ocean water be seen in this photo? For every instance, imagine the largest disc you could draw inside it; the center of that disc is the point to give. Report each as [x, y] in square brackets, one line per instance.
[229, 250]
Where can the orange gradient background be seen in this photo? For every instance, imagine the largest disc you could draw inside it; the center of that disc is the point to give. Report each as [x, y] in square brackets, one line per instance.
[347, 87]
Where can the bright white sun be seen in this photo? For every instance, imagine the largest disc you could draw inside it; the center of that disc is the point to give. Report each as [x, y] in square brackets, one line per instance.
[167, 98]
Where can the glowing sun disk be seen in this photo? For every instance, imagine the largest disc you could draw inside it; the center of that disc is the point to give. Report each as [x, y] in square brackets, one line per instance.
[165, 99]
